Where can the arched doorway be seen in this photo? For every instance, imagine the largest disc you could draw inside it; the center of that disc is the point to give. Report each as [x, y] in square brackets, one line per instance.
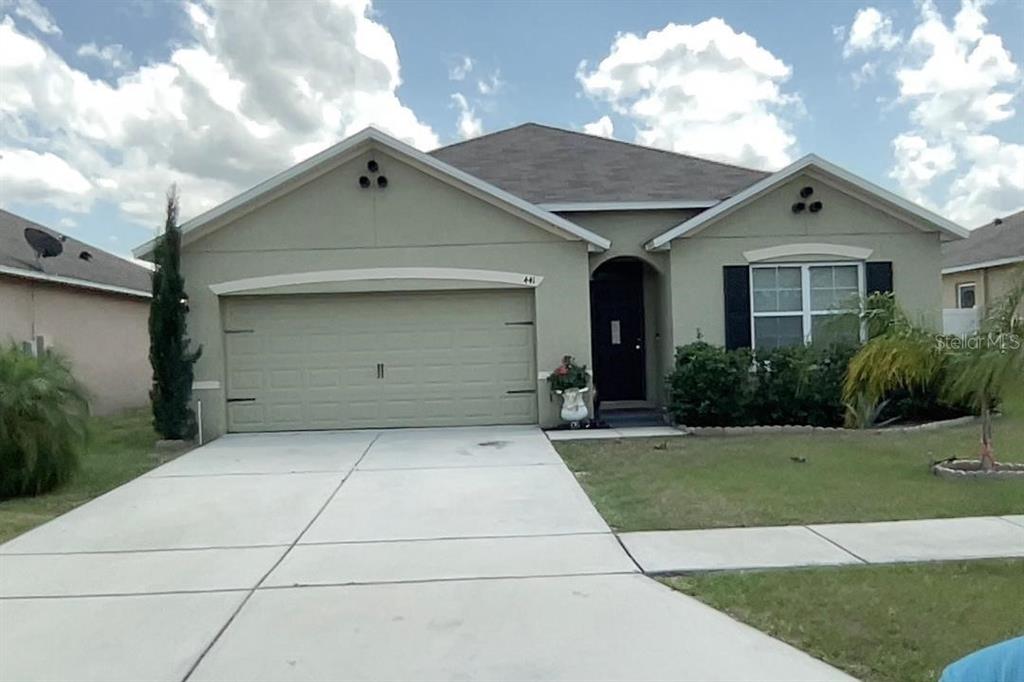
[618, 330]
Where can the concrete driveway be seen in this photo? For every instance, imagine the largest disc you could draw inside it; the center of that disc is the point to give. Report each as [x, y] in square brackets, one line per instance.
[427, 554]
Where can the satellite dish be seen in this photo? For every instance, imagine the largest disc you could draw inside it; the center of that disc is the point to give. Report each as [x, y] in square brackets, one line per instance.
[45, 245]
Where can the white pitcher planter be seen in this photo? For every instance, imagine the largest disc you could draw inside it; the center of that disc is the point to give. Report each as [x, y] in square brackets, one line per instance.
[574, 407]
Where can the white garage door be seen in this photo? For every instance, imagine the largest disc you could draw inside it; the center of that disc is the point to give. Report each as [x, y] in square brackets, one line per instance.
[380, 360]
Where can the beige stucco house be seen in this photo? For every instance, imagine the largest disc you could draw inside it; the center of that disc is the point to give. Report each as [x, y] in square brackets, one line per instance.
[374, 285]
[89, 304]
[979, 270]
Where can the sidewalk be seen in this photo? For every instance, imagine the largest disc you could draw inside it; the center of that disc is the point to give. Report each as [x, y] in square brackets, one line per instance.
[834, 544]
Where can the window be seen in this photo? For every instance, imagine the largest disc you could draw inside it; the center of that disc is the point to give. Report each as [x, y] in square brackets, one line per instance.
[795, 304]
[965, 295]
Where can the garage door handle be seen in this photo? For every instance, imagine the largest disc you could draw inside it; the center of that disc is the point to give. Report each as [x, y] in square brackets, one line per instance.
[380, 370]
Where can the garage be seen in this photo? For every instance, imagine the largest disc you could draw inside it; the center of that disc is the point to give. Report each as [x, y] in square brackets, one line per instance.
[379, 360]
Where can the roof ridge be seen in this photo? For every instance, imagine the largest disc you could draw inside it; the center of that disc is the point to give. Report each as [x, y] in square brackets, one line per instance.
[670, 152]
[480, 137]
[635, 145]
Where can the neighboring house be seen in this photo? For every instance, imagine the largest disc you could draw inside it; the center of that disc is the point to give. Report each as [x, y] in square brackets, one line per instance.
[978, 270]
[87, 303]
[374, 285]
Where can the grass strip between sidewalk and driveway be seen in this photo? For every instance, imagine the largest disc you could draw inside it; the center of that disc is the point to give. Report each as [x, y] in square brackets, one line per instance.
[120, 448]
[878, 623]
[782, 479]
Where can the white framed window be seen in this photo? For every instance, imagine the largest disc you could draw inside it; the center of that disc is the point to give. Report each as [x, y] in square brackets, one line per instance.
[966, 295]
[805, 302]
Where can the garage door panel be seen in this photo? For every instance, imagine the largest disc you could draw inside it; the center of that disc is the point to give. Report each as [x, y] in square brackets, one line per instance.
[449, 359]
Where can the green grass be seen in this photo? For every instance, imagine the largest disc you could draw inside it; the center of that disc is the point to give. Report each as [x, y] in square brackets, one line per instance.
[120, 449]
[879, 623]
[714, 482]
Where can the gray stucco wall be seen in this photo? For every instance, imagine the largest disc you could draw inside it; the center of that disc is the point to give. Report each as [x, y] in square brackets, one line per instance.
[697, 261]
[990, 284]
[105, 336]
[419, 221]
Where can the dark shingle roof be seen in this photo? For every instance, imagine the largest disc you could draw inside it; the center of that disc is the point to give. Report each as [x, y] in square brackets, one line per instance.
[102, 268]
[991, 242]
[549, 165]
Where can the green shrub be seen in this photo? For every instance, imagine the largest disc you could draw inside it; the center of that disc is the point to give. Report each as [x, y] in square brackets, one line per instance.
[43, 420]
[800, 385]
[710, 386]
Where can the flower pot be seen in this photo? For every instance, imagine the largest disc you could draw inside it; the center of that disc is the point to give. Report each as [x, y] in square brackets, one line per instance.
[574, 407]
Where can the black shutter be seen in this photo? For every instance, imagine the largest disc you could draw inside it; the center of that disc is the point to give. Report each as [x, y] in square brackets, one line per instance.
[878, 277]
[737, 306]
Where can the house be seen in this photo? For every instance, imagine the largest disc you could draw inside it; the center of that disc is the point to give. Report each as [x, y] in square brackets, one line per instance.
[374, 285]
[89, 304]
[978, 270]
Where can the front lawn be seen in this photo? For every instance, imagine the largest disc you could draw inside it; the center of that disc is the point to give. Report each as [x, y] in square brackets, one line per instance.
[879, 623]
[120, 449]
[723, 481]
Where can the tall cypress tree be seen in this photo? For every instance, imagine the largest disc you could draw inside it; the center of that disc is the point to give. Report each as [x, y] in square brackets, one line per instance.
[169, 352]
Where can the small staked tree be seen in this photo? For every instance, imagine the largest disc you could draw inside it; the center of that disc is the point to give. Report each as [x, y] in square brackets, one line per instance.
[169, 353]
[977, 369]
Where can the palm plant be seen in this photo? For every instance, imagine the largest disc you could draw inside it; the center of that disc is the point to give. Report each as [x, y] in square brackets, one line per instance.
[977, 369]
[43, 421]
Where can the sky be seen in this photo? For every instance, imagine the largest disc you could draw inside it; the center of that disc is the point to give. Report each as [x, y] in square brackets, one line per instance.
[103, 105]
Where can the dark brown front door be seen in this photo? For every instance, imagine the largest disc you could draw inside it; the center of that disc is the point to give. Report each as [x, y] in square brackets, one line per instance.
[617, 329]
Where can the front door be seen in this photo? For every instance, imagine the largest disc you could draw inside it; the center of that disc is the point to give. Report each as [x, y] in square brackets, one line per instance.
[617, 328]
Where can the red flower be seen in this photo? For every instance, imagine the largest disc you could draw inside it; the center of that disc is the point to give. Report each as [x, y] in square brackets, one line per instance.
[562, 370]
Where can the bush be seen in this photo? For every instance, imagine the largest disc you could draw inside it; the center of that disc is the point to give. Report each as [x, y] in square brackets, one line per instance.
[800, 385]
[43, 419]
[710, 386]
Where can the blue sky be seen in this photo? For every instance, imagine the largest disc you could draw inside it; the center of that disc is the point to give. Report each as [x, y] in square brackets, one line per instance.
[104, 104]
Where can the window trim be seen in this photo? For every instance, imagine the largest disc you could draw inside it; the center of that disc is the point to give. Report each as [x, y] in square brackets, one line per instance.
[960, 287]
[805, 313]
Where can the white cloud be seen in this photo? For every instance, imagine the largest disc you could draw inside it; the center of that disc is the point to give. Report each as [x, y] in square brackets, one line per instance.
[957, 81]
[232, 105]
[32, 176]
[918, 163]
[602, 127]
[469, 123]
[34, 13]
[702, 89]
[490, 85]
[67, 223]
[993, 185]
[461, 69]
[871, 30]
[114, 56]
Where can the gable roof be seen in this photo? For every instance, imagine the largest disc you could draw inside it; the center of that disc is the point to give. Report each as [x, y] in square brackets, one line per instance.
[991, 245]
[103, 271]
[918, 215]
[342, 151]
[546, 165]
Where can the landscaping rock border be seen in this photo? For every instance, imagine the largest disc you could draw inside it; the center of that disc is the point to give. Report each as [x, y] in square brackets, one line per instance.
[971, 468]
[754, 430]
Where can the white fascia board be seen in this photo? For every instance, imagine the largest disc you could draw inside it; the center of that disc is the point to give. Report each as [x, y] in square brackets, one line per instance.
[981, 265]
[545, 218]
[72, 281]
[698, 222]
[587, 206]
